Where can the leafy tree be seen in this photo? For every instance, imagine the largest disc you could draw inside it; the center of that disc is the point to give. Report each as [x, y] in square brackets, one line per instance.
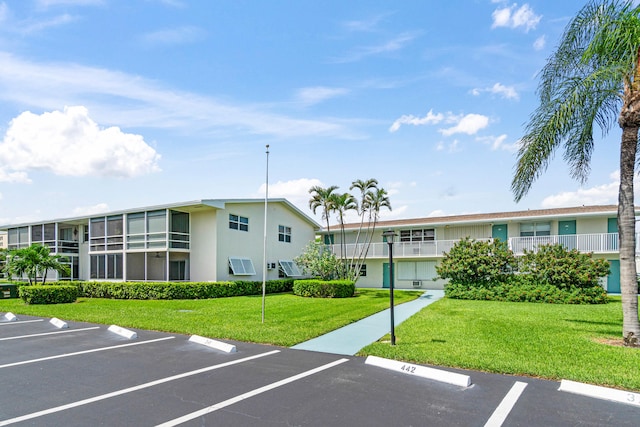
[565, 269]
[318, 261]
[476, 263]
[33, 261]
[593, 78]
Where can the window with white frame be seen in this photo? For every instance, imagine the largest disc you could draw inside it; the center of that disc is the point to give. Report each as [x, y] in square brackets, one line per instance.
[532, 229]
[289, 268]
[418, 235]
[241, 266]
[237, 222]
[284, 234]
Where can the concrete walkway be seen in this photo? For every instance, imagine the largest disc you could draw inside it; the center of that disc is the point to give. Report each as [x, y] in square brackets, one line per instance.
[349, 339]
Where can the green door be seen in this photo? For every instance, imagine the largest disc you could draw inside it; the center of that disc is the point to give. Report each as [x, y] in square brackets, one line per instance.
[568, 230]
[613, 279]
[499, 231]
[385, 275]
[612, 225]
[566, 227]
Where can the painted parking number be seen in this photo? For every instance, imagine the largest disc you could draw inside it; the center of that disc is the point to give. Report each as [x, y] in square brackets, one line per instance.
[408, 368]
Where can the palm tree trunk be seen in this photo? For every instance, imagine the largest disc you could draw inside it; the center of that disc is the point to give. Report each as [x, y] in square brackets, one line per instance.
[627, 232]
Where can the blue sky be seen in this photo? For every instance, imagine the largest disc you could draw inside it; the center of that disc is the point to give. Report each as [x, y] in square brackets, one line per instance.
[111, 104]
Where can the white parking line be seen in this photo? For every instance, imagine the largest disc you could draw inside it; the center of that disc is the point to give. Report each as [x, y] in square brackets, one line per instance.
[505, 407]
[249, 394]
[59, 356]
[20, 322]
[130, 389]
[48, 333]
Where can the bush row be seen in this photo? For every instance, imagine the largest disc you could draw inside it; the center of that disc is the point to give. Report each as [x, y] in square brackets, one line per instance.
[175, 290]
[39, 294]
[524, 292]
[324, 289]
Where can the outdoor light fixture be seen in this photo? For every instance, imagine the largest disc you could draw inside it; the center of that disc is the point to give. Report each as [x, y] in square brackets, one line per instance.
[389, 236]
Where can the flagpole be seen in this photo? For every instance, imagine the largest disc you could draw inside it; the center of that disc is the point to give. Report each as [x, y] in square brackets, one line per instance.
[264, 259]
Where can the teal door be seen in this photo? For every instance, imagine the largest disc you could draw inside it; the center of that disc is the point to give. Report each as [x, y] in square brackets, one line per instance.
[385, 275]
[613, 279]
[499, 231]
[612, 225]
[566, 227]
[568, 230]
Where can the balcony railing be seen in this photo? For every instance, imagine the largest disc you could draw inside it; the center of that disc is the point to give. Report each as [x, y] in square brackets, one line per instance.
[599, 243]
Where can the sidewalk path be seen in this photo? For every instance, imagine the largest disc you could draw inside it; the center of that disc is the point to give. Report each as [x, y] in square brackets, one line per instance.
[349, 339]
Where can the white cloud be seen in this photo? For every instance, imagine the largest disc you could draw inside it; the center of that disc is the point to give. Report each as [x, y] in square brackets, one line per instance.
[452, 147]
[392, 45]
[90, 210]
[143, 103]
[540, 43]
[69, 142]
[516, 17]
[429, 119]
[296, 191]
[174, 36]
[49, 3]
[605, 194]
[317, 94]
[13, 176]
[508, 92]
[498, 143]
[469, 124]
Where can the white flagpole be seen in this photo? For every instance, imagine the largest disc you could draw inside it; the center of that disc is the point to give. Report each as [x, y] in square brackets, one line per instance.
[264, 259]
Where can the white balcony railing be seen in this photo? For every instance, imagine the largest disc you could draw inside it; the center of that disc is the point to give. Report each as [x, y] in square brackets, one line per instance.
[599, 243]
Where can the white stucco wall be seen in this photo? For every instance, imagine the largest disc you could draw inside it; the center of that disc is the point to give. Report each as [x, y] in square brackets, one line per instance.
[203, 259]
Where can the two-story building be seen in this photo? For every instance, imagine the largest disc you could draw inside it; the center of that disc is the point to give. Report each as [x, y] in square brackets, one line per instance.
[202, 240]
[421, 242]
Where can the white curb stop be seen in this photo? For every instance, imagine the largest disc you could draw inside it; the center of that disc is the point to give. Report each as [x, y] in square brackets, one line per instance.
[420, 371]
[598, 392]
[10, 317]
[58, 323]
[218, 345]
[122, 332]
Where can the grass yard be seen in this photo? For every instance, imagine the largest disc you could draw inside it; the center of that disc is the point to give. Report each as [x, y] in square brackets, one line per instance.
[289, 319]
[539, 340]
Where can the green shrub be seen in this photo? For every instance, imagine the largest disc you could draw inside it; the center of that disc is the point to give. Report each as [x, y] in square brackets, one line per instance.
[477, 262]
[46, 294]
[565, 269]
[523, 288]
[324, 289]
[176, 290]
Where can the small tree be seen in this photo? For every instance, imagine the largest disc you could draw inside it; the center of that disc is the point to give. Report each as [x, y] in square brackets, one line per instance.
[562, 268]
[318, 261]
[477, 262]
[33, 261]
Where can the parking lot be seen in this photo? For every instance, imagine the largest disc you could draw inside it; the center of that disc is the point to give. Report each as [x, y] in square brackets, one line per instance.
[87, 375]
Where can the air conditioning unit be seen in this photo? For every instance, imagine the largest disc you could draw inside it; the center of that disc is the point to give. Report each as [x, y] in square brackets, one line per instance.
[417, 283]
[271, 265]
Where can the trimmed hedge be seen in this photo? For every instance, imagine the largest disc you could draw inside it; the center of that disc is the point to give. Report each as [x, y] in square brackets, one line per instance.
[521, 291]
[324, 288]
[176, 290]
[46, 294]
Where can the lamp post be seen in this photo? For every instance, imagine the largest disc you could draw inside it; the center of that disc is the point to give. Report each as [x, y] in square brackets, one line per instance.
[389, 235]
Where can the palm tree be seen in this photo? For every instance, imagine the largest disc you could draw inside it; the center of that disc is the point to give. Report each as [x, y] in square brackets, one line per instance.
[593, 78]
[341, 203]
[366, 187]
[322, 198]
[33, 261]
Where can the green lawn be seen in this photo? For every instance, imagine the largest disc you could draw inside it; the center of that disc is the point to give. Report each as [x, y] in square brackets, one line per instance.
[288, 319]
[540, 340]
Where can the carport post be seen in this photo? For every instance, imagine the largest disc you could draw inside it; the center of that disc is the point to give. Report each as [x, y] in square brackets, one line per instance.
[389, 235]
